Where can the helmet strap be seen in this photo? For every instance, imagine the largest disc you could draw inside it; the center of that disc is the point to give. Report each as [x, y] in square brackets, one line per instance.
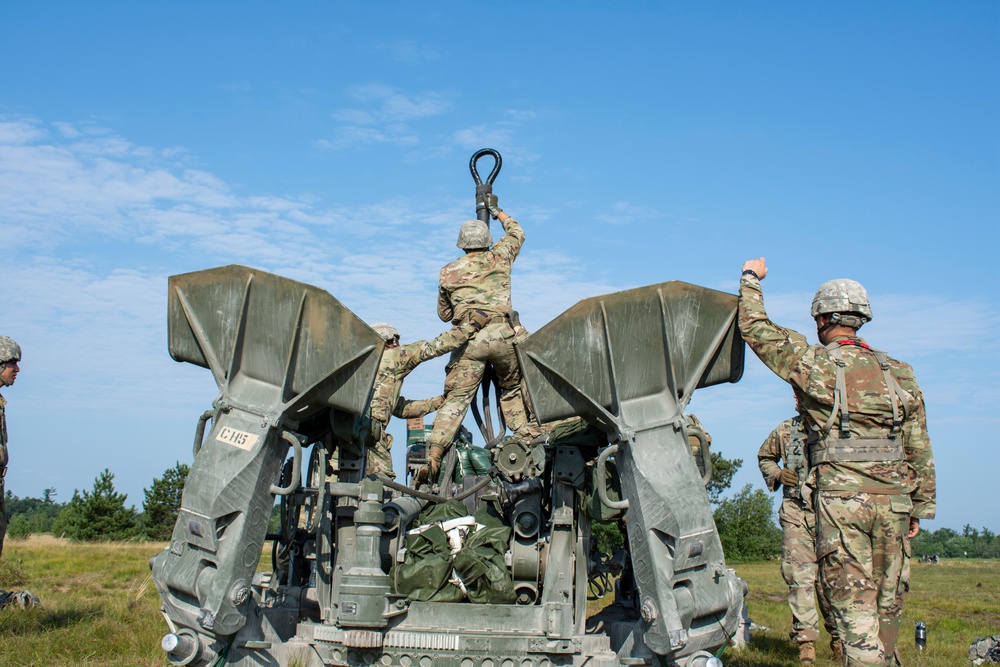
[829, 323]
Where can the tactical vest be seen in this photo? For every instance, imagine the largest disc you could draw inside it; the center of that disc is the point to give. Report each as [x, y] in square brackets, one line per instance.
[795, 458]
[823, 447]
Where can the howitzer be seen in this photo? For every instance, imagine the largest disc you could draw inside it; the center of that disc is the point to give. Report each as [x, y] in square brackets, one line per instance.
[609, 378]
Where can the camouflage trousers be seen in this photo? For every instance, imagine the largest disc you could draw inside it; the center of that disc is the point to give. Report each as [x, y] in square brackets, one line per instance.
[862, 546]
[380, 456]
[801, 572]
[493, 345]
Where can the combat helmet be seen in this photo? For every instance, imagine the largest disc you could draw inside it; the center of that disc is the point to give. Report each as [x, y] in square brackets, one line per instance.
[845, 300]
[474, 235]
[9, 350]
[386, 331]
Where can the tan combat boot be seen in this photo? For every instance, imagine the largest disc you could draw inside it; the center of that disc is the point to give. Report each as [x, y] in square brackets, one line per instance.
[838, 650]
[807, 653]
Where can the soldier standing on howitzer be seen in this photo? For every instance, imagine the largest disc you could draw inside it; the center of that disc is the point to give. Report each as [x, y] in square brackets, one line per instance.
[478, 285]
[870, 457]
[782, 462]
[396, 363]
[10, 354]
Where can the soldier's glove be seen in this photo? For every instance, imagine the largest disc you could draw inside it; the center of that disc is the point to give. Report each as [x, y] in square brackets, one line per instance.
[479, 319]
[789, 477]
[490, 201]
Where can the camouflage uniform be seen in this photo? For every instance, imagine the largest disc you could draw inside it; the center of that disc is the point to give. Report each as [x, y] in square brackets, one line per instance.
[799, 568]
[396, 364]
[3, 470]
[480, 281]
[863, 506]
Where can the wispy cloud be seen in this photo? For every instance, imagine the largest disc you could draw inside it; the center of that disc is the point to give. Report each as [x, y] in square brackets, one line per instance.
[502, 134]
[474, 138]
[382, 115]
[15, 132]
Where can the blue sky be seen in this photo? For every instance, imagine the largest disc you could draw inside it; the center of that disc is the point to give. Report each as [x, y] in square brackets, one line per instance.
[642, 142]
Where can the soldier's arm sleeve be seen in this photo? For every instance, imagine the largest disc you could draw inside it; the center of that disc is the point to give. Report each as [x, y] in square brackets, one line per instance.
[917, 445]
[417, 408]
[784, 351]
[510, 245]
[767, 460]
[445, 310]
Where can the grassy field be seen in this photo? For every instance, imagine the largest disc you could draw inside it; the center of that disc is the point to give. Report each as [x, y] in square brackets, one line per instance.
[99, 607]
[959, 600]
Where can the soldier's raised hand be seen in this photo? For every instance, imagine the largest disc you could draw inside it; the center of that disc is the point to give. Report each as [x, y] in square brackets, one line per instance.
[490, 200]
[757, 266]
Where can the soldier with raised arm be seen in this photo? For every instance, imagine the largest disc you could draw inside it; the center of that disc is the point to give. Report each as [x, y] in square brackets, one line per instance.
[869, 453]
[477, 285]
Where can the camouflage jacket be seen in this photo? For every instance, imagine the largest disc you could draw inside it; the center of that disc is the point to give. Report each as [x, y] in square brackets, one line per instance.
[784, 448]
[480, 279]
[811, 370]
[397, 363]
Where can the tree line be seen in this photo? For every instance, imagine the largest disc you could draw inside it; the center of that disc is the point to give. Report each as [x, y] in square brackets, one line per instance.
[947, 543]
[100, 514]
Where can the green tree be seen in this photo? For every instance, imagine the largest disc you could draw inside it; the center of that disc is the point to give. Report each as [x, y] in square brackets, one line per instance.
[18, 527]
[99, 514]
[958, 547]
[722, 476]
[163, 500]
[746, 525]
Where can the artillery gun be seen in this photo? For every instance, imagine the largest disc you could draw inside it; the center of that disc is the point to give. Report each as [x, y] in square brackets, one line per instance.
[610, 378]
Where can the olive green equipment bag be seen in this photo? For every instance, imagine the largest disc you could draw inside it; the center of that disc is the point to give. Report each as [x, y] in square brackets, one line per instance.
[426, 572]
[480, 565]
